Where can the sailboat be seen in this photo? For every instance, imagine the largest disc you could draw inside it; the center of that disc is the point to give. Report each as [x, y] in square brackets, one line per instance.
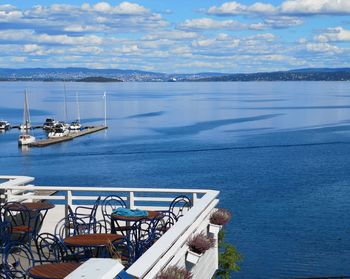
[26, 117]
[25, 138]
[75, 125]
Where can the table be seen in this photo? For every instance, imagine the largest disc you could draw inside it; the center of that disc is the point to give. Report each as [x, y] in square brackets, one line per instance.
[92, 240]
[96, 240]
[32, 206]
[127, 219]
[53, 271]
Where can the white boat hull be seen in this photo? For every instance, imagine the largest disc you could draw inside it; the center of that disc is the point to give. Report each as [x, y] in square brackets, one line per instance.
[53, 135]
[25, 140]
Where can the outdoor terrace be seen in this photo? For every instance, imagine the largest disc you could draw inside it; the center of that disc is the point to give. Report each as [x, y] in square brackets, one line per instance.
[168, 248]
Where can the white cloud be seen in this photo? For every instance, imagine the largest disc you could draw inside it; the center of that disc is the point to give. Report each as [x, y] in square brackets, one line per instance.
[288, 7]
[31, 48]
[30, 36]
[124, 8]
[228, 8]
[208, 23]
[322, 47]
[337, 34]
[315, 7]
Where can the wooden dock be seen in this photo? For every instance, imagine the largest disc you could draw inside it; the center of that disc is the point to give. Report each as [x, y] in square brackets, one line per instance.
[70, 136]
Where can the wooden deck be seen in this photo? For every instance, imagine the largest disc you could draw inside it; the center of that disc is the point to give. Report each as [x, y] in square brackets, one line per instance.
[70, 136]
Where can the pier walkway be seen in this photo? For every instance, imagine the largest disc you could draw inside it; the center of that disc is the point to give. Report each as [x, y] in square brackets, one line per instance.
[70, 136]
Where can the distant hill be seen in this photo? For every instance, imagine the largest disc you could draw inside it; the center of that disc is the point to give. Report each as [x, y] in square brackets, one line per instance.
[324, 74]
[115, 75]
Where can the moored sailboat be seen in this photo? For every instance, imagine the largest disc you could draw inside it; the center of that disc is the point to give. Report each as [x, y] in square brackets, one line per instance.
[25, 126]
[75, 125]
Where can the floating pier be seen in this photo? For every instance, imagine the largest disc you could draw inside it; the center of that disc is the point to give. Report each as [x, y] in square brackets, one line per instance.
[70, 136]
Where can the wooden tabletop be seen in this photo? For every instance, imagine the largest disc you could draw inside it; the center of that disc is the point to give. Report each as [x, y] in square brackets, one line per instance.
[33, 206]
[53, 271]
[151, 215]
[92, 240]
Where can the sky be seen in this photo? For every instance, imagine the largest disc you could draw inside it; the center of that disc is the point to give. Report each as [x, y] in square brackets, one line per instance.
[176, 36]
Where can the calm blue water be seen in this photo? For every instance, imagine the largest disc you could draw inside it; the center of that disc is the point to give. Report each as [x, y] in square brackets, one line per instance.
[278, 152]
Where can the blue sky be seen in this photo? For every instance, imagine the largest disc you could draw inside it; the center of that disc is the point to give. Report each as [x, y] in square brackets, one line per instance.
[176, 36]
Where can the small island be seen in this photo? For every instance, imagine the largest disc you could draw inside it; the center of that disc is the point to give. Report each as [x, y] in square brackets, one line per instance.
[99, 79]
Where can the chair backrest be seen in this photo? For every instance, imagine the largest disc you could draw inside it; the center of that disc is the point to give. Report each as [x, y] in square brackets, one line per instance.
[95, 207]
[109, 204]
[17, 259]
[143, 235]
[180, 205]
[22, 220]
[49, 248]
[166, 220]
[5, 233]
[123, 250]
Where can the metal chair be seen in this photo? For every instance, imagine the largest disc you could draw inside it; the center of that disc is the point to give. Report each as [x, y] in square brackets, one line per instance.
[180, 205]
[50, 249]
[21, 219]
[86, 213]
[5, 234]
[17, 259]
[122, 250]
[143, 235]
[164, 223]
[109, 204]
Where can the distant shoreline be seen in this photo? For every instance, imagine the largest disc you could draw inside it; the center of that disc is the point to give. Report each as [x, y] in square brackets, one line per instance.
[116, 75]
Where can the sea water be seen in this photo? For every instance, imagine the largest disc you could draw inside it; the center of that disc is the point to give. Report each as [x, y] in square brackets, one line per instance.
[278, 152]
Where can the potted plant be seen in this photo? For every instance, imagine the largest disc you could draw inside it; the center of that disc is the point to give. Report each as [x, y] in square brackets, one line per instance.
[174, 272]
[217, 219]
[197, 245]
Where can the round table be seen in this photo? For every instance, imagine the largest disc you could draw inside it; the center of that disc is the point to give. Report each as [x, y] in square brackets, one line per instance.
[53, 271]
[100, 241]
[92, 240]
[151, 215]
[32, 206]
[127, 219]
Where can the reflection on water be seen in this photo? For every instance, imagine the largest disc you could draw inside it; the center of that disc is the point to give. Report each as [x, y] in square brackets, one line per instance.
[278, 152]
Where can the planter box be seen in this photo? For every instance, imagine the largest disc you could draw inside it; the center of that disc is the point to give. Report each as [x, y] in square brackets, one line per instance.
[214, 229]
[193, 257]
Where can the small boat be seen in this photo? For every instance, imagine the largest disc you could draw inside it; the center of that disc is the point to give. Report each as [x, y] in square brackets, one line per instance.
[25, 126]
[49, 124]
[26, 139]
[58, 131]
[75, 126]
[4, 125]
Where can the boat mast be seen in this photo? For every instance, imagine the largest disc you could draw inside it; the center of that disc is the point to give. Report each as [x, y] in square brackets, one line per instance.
[65, 102]
[26, 119]
[105, 98]
[78, 108]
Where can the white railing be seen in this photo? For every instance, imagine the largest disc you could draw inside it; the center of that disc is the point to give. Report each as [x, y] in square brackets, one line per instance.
[170, 249]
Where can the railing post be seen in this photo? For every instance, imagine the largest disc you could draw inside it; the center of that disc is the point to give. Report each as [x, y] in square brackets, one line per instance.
[194, 198]
[69, 201]
[132, 200]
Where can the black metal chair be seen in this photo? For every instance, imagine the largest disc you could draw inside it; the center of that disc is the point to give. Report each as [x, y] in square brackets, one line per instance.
[180, 205]
[123, 250]
[86, 213]
[108, 205]
[16, 260]
[166, 220]
[5, 234]
[51, 249]
[143, 235]
[21, 219]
